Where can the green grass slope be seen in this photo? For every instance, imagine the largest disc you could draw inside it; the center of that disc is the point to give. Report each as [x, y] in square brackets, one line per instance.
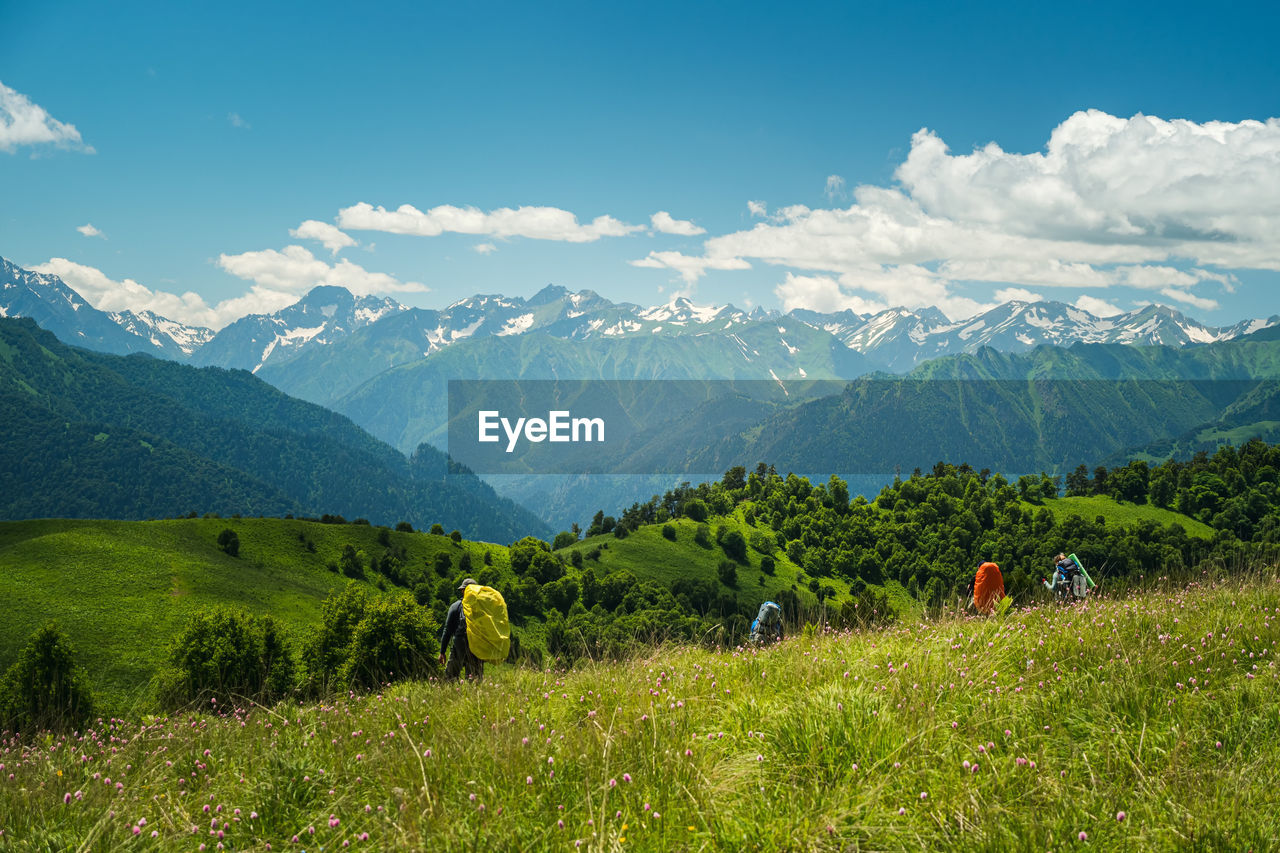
[1118, 512]
[122, 590]
[648, 555]
[1089, 727]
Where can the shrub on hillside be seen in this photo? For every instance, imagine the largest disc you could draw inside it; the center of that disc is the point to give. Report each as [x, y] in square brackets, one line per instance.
[523, 551]
[365, 642]
[350, 562]
[735, 546]
[696, 509]
[703, 536]
[326, 649]
[761, 541]
[229, 542]
[227, 655]
[394, 639]
[669, 532]
[561, 594]
[44, 689]
[728, 573]
[546, 568]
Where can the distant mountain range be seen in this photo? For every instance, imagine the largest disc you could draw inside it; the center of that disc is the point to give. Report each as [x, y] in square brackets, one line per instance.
[1050, 409]
[386, 367]
[59, 309]
[896, 339]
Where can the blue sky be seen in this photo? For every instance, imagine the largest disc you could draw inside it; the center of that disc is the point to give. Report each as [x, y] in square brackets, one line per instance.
[813, 155]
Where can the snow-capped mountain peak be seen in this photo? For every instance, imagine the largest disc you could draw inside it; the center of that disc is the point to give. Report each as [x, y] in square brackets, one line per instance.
[324, 315]
[174, 339]
[900, 338]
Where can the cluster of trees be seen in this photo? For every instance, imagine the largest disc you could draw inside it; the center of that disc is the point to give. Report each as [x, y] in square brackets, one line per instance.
[362, 641]
[930, 530]
[1236, 490]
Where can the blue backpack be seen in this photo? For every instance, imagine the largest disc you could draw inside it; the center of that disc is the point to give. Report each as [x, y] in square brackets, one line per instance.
[767, 619]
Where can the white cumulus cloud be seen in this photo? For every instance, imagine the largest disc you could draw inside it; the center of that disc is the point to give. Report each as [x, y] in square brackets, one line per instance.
[822, 293]
[89, 231]
[664, 223]
[484, 248]
[1017, 294]
[1189, 298]
[295, 270]
[107, 294]
[23, 122]
[1095, 306]
[333, 238]
[689, 267]
[279, 278]
[535, 223]
[1166, 206]
[834, 188]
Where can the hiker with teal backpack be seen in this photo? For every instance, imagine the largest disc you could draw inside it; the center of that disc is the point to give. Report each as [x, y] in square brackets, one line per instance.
[767, 627]
[475, 630]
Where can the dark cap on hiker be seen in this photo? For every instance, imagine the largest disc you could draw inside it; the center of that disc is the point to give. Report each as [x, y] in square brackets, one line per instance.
[466, 583]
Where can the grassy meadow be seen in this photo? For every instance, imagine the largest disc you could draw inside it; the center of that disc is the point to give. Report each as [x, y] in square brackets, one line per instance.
[1118, 512]
[122, 589]
[1141, 723]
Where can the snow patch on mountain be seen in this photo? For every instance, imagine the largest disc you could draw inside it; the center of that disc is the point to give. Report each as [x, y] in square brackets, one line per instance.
[516, 325]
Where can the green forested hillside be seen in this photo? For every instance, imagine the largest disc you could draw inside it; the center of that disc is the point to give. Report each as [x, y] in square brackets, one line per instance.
[407, 404]
[92, 435]
[1045, 410]
[124, 590]
[690, 565]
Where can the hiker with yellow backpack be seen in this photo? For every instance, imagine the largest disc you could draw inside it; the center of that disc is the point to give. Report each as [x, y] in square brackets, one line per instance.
[476, 630]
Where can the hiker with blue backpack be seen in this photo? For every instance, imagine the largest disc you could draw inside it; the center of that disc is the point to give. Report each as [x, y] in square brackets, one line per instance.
[1070, 580]
[475, 630]
[767, 627]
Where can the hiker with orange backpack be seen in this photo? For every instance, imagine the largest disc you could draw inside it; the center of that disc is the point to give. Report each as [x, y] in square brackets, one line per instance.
[988, 587]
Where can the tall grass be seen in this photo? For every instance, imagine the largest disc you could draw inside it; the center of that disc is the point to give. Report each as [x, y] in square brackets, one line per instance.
[1140, 723]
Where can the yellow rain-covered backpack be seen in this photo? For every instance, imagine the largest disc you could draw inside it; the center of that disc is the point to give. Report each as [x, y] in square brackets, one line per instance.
[488, 631]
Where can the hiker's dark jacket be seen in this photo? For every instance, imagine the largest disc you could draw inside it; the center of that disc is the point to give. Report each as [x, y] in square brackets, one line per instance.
[454, 622]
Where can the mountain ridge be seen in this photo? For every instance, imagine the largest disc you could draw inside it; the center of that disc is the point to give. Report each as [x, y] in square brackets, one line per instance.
[896, 339]
[90, 434]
